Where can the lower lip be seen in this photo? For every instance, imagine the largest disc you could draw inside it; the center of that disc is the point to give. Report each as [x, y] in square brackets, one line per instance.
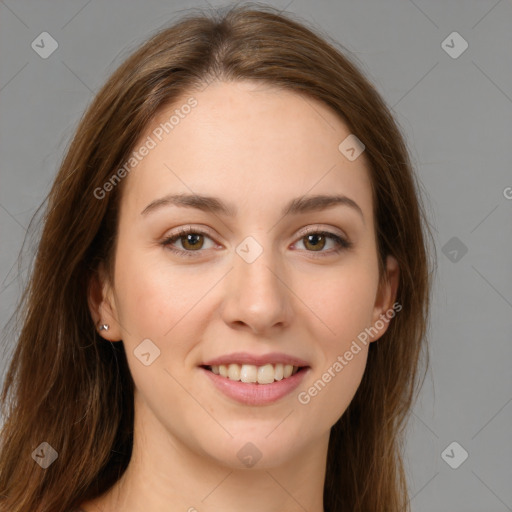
[256, 394]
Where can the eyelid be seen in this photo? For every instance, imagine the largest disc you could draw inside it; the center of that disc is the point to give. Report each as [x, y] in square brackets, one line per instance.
[314, 228]
[340, 239]
[183, 231]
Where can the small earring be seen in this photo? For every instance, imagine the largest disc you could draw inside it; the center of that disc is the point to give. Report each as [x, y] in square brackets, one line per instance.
[104, 327]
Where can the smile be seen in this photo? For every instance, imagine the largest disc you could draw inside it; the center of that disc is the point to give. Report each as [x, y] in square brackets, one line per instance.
[249, 373]
[253, 392]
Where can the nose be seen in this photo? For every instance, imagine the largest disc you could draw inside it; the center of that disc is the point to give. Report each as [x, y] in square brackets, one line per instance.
[257, 297]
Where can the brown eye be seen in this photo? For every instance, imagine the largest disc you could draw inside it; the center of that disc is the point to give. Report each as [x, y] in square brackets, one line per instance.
[315, 240]
[191, 241]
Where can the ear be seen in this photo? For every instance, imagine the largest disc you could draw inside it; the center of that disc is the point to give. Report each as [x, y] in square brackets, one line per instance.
[100, 298]
[385, 299]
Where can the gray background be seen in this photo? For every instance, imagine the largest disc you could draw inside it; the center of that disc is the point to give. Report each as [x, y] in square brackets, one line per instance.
[456, 114]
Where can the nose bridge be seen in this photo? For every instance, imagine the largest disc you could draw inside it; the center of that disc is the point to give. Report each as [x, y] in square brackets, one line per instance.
[257, 293]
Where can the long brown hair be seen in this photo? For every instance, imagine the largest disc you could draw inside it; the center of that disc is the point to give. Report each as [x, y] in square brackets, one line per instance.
[70, 388]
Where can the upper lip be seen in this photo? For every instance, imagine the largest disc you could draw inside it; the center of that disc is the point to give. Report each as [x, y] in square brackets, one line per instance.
[257, 360]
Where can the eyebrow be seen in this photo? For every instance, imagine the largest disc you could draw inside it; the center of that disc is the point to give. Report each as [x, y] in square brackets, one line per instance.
[298, 205]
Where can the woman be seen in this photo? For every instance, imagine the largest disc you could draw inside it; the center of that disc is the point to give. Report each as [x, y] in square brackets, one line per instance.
[230, 297]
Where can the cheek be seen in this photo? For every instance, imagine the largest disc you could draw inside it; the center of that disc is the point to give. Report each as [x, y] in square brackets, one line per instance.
[343, 303]
[342, 355]
[159, 303]
[331, 392]
[152, 296]
[140, 296]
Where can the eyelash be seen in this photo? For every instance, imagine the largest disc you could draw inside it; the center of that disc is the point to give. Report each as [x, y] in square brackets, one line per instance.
[342, 243]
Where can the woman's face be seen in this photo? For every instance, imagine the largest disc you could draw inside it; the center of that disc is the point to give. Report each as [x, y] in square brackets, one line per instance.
[254, 276]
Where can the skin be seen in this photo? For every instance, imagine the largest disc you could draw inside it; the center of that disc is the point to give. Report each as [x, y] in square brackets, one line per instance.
[256, 147]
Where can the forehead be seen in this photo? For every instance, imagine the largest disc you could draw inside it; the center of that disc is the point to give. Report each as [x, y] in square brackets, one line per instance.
[247, 141]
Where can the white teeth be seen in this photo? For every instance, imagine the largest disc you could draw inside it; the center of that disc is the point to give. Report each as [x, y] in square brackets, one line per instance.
[288, 369]
[248, 373]
[278, 371]
[234, 372]
[265, 374]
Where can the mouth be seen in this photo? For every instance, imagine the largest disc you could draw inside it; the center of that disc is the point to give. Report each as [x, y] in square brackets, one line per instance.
[253, 374]
[255, 385]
